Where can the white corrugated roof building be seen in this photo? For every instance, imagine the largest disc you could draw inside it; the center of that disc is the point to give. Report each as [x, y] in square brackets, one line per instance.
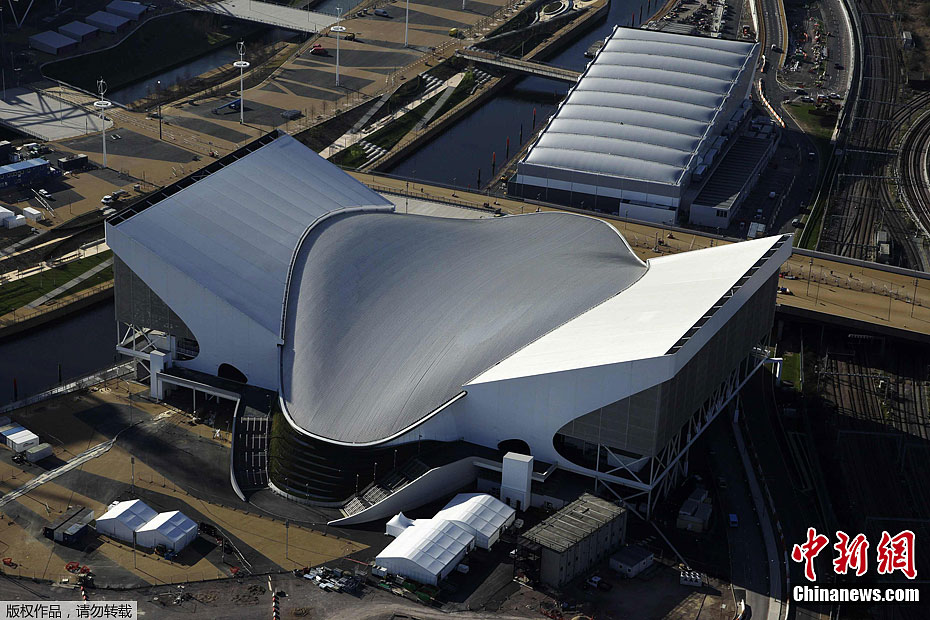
[639, 119]
[124, 518]
[485, 515]
[172, 529]
[427, 551]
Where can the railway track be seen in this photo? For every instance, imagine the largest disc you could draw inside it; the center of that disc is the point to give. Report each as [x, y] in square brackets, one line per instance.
[861, 202]
[913, 171]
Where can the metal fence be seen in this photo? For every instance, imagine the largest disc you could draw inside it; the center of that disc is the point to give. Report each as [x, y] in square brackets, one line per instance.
[114, 372]
[20, 316]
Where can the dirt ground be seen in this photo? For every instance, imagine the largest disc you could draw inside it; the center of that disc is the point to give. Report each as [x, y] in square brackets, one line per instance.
[76, 422]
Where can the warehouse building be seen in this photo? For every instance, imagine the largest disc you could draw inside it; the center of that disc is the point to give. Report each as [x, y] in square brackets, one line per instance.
[107, 22]
[52, 42]
[571, 541]
[641, 120]
[404, 358]
[79, 31]
[130, 10]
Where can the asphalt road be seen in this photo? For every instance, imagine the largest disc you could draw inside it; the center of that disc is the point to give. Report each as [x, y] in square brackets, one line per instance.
[748, 561]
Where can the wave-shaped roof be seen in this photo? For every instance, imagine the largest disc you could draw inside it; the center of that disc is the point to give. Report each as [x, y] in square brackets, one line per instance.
[652, 96]
[389, 315]
[235, 229]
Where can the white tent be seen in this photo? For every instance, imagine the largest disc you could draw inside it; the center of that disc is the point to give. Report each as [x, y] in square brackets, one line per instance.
[397, 524]
[427, 551]
[124, 518]
[172, 529]
[484, 515]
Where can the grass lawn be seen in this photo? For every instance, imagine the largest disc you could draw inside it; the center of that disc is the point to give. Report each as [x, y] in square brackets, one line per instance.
[819, 125]
[158, 45]
[791, 369]
[391, 134]
[351, 158]
[815, 121]
[461, 92]
[18, 293]
[104, 275]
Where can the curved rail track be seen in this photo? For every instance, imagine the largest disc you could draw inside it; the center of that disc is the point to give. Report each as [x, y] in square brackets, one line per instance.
[861, 201]
[914, 171]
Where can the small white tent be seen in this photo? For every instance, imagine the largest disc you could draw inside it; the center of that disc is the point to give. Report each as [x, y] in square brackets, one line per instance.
[172, 529]
[397, 524]
[124, 518]
[484, 515]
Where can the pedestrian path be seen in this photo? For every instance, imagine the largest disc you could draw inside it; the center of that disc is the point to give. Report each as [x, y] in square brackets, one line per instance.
[70, 284]
[353, 136]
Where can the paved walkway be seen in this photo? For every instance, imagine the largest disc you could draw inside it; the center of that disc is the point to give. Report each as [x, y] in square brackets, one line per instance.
[19, 274]
[70, 284]
[39, 480]
[43, 116]
[351, 137]
[272, 14]
[768, 531]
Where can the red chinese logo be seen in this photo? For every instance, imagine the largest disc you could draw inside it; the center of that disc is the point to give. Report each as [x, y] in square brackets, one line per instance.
[897, 553]
[808, 551]
[852, 554]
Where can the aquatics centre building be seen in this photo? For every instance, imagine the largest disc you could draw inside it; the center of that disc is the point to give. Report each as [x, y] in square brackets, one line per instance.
[407, 354]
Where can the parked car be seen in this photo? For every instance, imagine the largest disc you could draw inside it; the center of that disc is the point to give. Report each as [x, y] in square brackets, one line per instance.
[381, 13]
[734, 520]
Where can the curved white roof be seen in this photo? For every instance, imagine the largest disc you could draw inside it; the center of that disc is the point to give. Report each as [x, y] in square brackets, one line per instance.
[481, 512]
[644, 106]
[235, 230]
[389, 315]
[431, 544]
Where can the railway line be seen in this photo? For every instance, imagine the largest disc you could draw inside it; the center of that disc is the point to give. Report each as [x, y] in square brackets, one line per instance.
[913, 166]
[861, 202]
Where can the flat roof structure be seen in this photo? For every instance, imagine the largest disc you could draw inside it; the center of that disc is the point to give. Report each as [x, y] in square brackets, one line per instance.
[108, 22]
[129, 10]
[19, 166]
[78, 30]
[573, 523]
[51, 42]
[726, 183]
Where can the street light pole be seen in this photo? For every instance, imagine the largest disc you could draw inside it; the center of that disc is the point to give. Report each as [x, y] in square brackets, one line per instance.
[338, 30]
[103, 105]
[243, 65]
[406, 23]
[158, 91]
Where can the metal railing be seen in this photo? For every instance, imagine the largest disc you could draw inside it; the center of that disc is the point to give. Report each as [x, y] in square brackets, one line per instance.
[113, 372]
[20, 316]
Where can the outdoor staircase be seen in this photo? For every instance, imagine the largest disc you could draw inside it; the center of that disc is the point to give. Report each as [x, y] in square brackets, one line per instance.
[384, 488]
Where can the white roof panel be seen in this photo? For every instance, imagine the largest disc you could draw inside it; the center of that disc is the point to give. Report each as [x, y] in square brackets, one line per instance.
[173, 525]
[479, 511]
[642, 322]
[236, 230]
[644, 80]
[134, 513]
[432, 544]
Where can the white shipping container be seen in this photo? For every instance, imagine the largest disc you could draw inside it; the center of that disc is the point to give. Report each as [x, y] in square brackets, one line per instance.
[15, 222]
[39, 452]
[20, 442]
[5, 214]
[32, 214]
[12, 430]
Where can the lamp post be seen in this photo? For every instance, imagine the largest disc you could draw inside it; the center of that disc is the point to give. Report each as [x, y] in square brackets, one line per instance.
[406, 23]
[242, 65]
[103, 105]
[338, 30]
[158, 92]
